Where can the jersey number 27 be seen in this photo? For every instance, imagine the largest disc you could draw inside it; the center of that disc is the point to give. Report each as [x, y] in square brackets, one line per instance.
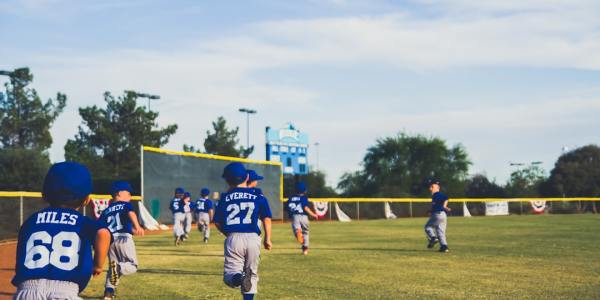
[234, 210]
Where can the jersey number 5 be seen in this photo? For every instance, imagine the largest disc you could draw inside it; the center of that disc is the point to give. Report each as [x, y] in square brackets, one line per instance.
[234, 210]
[64, 254]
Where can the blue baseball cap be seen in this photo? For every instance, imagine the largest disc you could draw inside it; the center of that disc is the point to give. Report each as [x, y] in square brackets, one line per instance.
[118, 186]
[179, 190]
[235, 173]
[204, 192]
[253, 176]
[432, 181]
[300, 187]
[187, 194]
[67, 181]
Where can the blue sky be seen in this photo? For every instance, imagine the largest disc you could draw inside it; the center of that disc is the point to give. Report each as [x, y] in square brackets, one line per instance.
[510, 80]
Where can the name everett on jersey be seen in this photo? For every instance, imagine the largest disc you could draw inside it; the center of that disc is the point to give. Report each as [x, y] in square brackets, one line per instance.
[240, 195]
[51, 217]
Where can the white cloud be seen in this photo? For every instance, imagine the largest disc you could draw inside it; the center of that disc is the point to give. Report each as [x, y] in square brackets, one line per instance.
[203, 79]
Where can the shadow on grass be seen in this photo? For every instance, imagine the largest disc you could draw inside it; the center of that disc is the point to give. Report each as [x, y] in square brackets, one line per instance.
[361, 249]
[177, 272]
[159, 253]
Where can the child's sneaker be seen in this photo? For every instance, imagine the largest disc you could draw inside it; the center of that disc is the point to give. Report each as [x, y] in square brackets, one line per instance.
[247, 280]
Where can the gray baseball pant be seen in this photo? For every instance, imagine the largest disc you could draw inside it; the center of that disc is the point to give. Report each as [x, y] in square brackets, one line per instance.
[122, 251]
[204, 223]
[436, 227]
[178, 219]
[301, 222]
[187, 222]
[43, 289]
[241, 251]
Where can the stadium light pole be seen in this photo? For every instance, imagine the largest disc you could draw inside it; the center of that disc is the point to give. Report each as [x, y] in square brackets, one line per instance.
[317, 150]
[248, 112]
[147, 96]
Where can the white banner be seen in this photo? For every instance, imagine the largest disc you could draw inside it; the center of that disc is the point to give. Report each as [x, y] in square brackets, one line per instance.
[342, 217]
[498, 208]
[389, 214]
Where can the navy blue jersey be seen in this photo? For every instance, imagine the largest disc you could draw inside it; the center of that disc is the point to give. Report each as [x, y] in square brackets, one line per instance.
[240, 209]
[437, 202]
[56, 244]
[296, 204]
[116, 216]
[258, 191]
[176, 205]
[203, 205]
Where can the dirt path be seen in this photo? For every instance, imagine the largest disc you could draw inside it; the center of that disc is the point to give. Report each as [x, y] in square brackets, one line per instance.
[7, 269]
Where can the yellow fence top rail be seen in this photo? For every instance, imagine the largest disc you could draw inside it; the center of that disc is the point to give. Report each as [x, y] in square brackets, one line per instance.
[15, 194]
[212, 156]
[427, 200]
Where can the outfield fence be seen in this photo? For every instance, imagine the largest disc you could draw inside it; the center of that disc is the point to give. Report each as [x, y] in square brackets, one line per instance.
[375, 208]
[16, 207]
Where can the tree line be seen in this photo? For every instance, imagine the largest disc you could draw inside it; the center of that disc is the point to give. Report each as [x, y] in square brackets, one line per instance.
[109, 138]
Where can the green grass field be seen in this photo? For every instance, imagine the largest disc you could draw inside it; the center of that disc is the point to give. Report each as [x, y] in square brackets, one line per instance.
[525, 257]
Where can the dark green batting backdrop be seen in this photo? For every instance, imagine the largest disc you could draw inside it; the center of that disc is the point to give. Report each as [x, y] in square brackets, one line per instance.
[163, 171]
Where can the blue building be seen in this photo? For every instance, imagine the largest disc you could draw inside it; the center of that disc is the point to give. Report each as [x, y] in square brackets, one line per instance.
[290, 147]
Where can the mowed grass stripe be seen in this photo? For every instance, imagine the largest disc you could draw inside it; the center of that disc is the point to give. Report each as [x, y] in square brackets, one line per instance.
[525, 257]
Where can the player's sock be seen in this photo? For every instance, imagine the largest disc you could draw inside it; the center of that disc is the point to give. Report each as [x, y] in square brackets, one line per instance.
[299, 236]
[248, 296]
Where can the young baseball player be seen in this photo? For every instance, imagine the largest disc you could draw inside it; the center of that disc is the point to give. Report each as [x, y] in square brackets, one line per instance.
[298, 208]
[176, 207]
[122, 223]
[188, 210]
[436, 225]
[236, 216]
[204, 213]
[253, 179]
[54, 250]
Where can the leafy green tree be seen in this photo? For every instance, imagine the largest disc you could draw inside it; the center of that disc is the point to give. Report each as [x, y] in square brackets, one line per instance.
[575, 174]
[525, 182]
[479, 186]
[22, 169]
[109, 139]
[223, 141]
[25, 122]
[315, 182]
[399, 166]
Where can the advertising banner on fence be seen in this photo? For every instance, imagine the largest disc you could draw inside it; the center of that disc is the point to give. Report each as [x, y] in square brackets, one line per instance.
[497, 208]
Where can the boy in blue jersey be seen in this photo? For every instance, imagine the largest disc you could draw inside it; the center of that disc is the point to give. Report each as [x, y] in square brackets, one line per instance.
[176, 207]
[54, 250]
[122, 224]
[188, 210]
[236, 216]
[253, 179]
[436, 225]
[298, 210]
[204, 213]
